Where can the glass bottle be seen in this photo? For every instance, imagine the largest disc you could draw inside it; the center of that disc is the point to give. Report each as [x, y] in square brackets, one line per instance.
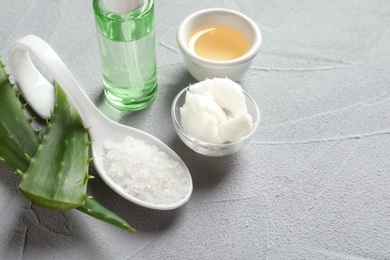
[127, 48]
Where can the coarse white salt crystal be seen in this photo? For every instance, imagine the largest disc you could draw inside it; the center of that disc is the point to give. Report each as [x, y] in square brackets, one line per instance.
[145, 172]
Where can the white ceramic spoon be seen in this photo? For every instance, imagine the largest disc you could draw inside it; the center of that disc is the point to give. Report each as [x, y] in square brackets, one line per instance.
[40, 95]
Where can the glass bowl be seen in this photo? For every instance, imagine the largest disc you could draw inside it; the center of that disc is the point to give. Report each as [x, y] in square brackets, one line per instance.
[209, 149]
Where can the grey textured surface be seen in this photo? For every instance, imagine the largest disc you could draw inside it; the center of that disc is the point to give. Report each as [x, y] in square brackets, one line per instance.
[313, 184]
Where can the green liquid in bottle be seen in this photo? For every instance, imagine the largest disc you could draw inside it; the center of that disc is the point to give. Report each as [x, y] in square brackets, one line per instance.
[128, 56]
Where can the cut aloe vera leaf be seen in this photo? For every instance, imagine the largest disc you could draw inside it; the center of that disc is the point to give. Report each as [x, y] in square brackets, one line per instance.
[17, 137]
[58, 173]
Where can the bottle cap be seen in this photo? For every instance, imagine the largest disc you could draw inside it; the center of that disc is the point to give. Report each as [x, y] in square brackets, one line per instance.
[121, 6]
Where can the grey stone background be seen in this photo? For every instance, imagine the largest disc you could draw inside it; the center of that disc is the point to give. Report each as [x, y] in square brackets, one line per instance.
[313, 184]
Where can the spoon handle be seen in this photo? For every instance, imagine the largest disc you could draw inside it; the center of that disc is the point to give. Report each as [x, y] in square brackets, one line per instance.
[37, 91]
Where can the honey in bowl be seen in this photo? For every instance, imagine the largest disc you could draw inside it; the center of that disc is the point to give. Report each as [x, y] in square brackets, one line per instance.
[217, 42]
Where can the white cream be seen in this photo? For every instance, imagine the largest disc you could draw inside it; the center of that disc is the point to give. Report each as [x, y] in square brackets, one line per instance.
[215, 111]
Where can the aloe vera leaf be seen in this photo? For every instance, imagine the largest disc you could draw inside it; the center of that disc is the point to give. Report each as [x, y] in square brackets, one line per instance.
[58, 173]
[16, 133]
[18, 143]
[96, 210]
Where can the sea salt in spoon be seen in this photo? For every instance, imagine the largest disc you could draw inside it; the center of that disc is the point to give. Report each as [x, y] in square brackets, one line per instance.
[41, 96]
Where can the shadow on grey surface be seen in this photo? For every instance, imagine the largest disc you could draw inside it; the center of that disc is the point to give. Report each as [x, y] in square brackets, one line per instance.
[207, 172]
[173, 88]
[211, 171]
[36, 229]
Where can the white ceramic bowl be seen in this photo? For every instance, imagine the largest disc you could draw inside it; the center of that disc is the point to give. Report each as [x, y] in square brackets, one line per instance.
[205, 148]
[201, 68]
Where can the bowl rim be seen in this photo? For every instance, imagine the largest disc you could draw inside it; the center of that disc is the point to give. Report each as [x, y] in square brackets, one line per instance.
[247, 57]
[177, 124]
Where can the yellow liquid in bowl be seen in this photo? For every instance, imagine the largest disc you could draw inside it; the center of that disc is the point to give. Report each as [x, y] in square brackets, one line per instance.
[216, 42]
